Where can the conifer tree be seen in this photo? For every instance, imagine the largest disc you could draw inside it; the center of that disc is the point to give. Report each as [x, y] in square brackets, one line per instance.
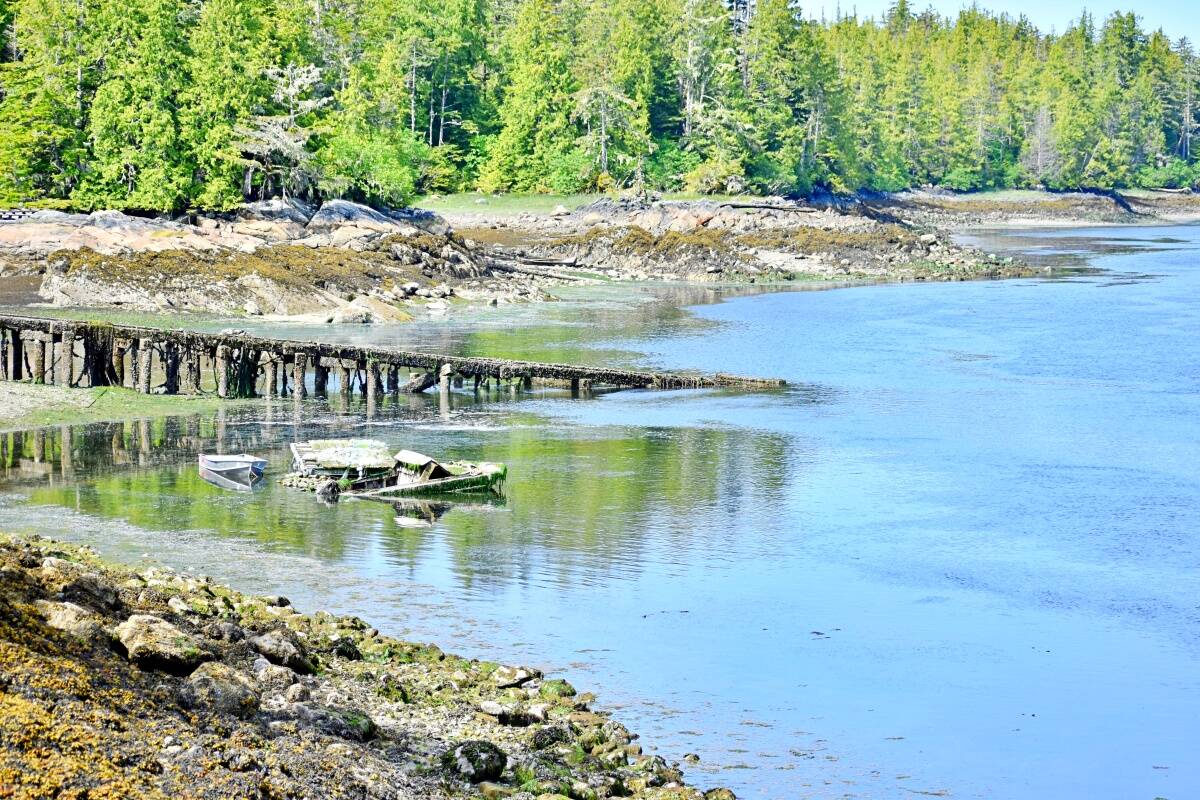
[136, 154]
[226, 72]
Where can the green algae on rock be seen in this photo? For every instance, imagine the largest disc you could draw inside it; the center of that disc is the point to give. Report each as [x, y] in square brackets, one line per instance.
[119, 683]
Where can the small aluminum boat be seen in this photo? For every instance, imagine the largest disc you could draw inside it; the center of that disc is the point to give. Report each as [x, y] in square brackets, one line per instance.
[244, 469]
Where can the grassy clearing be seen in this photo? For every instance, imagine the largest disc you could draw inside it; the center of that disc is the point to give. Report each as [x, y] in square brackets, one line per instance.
[24, 405]
[502, 204]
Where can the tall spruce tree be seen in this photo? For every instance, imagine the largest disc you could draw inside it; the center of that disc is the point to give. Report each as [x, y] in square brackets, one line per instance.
[137, 159]
[227, 82]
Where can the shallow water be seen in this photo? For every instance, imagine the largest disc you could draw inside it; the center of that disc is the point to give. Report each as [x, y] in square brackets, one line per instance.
[957, 555]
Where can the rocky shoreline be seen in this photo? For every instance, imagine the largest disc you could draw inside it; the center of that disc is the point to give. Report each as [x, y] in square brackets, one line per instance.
[341, 263]
[116, 682]
[345, 263]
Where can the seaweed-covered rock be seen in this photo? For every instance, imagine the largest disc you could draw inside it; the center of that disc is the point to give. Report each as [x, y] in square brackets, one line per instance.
[90, 590]
[342, 723]
[550, 735]
[507, 677]
[347, 649]
[224, 632]
[554, 689]
[154, 643]
[221, 688]
[475, 760]
[719, 793]
[283, 648]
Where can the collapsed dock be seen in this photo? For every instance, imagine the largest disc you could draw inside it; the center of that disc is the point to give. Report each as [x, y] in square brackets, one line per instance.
[238, 364]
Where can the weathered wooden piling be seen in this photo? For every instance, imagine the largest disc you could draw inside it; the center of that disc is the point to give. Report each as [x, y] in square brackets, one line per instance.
[321, 377]
[221, 364]
[4, 354]
[170, 360]
[272, 370]
[344, 385]
[189, 370]
[145, 365]
[39, 358]
[118, 361]
[64, 358]
[372, 381]
[299, 365]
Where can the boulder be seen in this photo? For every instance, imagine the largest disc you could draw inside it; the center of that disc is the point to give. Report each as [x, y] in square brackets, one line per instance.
[224, 631]
[560, 211]
[154, 643]
[366, 308]
[506, 677]
[283, 648]
[350, 315]
[550, 736]
[272, 677]
[296, 693]
[423, 219]
[475, 760]
[719, 793]
[337, 214]
[278, 210]
[221, 688]
[70, 618]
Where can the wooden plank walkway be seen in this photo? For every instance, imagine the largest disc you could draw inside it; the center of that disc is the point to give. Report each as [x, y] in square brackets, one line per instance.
[76, 352]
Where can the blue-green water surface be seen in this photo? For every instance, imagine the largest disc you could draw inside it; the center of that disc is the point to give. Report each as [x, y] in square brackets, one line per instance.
[956, 557]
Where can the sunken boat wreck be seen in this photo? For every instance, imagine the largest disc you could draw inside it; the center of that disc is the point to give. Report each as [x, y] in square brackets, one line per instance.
[367, 468]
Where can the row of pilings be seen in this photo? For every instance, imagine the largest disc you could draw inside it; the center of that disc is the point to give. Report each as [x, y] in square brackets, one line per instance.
[236, 364]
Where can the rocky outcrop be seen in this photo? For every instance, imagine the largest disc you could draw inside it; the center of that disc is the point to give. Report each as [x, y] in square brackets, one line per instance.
[342, 263]
[154, 643]
[337, 223]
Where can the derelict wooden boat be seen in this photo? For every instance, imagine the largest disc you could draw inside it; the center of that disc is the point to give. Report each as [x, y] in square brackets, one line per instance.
[244, 469]
[366, 468]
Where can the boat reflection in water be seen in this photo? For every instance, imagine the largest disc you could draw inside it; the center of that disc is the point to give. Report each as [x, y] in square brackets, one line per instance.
[239, 473]
[424, 513]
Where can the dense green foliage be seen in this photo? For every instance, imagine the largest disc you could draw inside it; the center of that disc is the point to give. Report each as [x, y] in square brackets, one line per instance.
[171, 104]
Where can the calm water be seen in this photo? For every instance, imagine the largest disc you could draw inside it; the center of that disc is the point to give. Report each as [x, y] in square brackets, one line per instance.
[957, 557]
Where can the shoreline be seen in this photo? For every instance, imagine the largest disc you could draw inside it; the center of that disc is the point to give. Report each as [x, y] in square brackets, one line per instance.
[353, 264]
[217, 689]
[24, 406]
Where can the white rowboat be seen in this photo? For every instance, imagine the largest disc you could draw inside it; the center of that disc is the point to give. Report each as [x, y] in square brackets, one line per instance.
[244, 469]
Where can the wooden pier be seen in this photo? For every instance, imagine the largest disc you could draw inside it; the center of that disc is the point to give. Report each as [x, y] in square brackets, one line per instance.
[237, 364]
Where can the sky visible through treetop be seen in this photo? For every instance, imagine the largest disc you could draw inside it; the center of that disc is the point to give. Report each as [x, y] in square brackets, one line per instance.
[1175, 17]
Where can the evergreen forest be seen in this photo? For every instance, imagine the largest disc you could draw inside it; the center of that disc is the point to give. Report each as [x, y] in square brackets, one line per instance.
[167, 105]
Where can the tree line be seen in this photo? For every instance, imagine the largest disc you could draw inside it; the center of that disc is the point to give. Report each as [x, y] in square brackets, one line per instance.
[173, 104]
